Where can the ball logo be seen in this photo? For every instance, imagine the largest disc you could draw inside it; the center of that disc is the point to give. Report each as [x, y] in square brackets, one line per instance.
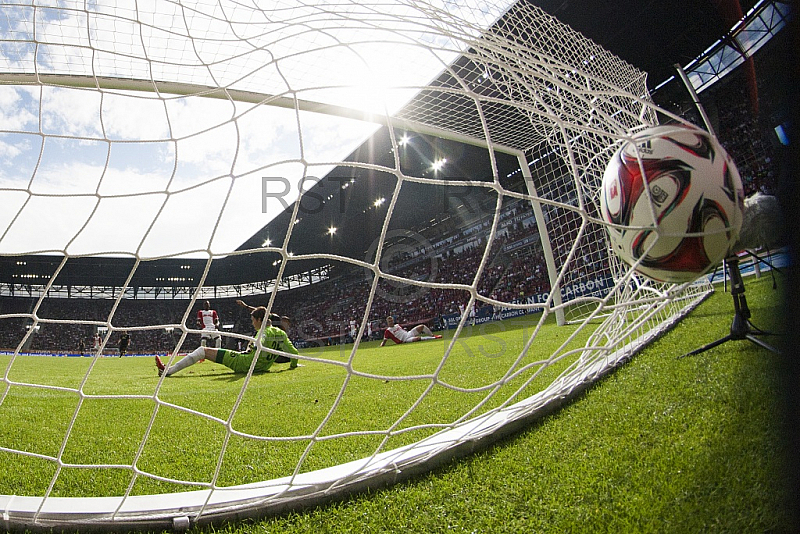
[646, 147]
[659, 195]
[614, 198]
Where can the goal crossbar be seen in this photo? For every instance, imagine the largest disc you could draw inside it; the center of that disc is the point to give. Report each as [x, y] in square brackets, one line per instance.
[250, 97]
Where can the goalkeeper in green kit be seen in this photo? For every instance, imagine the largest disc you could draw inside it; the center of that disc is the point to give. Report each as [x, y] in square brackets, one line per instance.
[273, 338]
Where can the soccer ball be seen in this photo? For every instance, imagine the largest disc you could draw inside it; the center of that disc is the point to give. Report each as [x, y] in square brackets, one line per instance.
[674, 201]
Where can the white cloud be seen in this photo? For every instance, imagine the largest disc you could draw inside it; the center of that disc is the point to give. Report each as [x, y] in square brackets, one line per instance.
[187, 221]
[12, 202]
[134, 116]
[46, 224]
[117, 225]
[70, 112]
[19, 155]
[132, 181]
[9, 151]
[15, 110]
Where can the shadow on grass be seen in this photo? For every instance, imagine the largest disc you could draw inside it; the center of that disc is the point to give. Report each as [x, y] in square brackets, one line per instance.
[236, 377]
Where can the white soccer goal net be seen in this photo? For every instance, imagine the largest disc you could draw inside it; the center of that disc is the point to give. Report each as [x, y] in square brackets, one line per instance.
[171, 130]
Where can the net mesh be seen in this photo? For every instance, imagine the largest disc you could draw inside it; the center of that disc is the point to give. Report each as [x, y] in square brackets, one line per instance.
[150, 131]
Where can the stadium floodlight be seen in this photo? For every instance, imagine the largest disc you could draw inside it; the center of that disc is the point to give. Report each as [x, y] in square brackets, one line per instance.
[179, 117]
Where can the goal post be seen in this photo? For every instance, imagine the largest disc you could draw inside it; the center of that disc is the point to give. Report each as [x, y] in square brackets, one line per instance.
[542, 225]
[152, 130]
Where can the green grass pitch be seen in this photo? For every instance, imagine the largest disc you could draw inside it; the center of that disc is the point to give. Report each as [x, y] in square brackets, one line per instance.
[661, 445]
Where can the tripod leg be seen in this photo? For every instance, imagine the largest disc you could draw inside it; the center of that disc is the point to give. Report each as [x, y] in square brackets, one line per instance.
[762, 344]
[708, 346]
[758, 331]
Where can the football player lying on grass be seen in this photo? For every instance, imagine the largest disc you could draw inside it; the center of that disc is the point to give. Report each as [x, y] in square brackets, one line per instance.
[398, 334]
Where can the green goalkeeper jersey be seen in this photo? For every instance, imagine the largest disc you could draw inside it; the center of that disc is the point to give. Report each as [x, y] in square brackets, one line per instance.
[272, 338]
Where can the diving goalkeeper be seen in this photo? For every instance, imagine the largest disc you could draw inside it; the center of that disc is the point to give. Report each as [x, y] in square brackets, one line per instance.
[239, 362]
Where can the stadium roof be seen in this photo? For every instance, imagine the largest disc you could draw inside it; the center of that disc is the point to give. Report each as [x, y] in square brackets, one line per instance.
[652, 35]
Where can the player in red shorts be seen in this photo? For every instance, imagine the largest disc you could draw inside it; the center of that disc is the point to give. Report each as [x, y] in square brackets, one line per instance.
[398, 334]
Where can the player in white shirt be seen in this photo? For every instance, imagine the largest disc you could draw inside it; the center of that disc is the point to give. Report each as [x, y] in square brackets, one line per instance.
[398, 334]
[353, 329]
[462, 308]
[208, 321]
